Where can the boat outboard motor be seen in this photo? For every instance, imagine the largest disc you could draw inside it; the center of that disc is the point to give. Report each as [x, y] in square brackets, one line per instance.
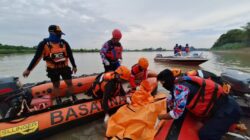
[13, 104]
[8, 85]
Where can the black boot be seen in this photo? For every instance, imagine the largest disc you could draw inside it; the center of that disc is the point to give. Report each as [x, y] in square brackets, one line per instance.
[58, 100]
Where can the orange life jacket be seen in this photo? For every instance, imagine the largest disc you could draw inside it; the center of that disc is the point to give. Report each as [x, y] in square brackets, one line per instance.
[203, 101]
[136, 70]
[55, 55]
[101, 81]
[114, 52]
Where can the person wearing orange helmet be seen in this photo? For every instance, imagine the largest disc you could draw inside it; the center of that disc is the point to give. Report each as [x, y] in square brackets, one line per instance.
[139, 69]
[109, 84]
[111, 52]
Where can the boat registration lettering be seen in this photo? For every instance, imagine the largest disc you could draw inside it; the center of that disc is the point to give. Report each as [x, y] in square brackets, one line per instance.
[59, 116]
[72, 113]
[22, 129]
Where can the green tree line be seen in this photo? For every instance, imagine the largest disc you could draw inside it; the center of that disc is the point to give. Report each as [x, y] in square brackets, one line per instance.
[8, 49]
[233, 39]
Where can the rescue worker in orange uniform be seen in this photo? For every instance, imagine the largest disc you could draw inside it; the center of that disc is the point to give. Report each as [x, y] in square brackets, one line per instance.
[109, 84]
[56, 52]
[203, 98]
[139, 71]
[111, 52]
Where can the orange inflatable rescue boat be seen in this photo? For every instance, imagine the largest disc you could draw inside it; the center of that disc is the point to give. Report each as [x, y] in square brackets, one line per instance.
[188, 126]
[185, 128]
[43, 117]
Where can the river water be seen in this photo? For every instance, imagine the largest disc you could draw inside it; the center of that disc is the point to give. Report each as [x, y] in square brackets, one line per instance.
[87, 63]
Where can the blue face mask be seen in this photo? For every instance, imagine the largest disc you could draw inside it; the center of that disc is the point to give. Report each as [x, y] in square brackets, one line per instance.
[55, 38]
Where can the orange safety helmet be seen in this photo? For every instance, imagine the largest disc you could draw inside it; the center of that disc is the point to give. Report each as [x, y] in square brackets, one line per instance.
[145, 85]
[176, 72]
[143, 62]
[124, 72]
[117, 34]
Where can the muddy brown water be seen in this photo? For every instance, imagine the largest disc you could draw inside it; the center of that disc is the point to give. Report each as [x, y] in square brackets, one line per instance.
[87, 63]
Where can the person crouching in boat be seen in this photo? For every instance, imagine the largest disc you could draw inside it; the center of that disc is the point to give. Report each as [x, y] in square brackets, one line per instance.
[56, 52]
[111, 52]
[109, 84]
[204, 99]
[139, 71]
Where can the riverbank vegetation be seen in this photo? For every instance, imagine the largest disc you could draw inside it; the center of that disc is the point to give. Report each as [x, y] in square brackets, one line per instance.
[234, 39]
[9, 49]
[12, 49]
[151, 49]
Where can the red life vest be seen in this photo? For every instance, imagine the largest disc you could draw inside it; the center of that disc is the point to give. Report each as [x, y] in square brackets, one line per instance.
[55, 55]
[101, 81]
[137, 72]
[187, 49]
[114, 51]
[203, 101]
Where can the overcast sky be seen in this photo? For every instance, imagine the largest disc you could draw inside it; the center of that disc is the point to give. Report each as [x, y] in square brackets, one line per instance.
[144, 23]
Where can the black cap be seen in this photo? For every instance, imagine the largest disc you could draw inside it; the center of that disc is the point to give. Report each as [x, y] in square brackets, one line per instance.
[168, 78]
[165, 75]
[55, 29]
